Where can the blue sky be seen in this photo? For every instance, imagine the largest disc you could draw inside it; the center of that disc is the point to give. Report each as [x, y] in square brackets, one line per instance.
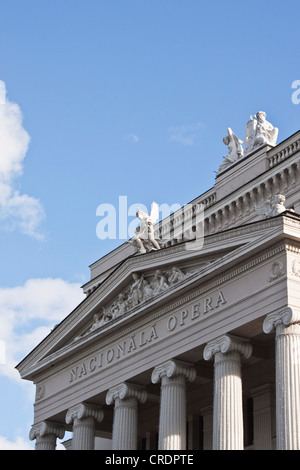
[115, 98]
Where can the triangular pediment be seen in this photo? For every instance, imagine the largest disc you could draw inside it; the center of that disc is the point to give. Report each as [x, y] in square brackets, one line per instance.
[141, 289]
[141, 283]
[137, 284]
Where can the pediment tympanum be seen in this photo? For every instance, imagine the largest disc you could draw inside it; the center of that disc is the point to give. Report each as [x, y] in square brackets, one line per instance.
[138, 286]
[143, 287]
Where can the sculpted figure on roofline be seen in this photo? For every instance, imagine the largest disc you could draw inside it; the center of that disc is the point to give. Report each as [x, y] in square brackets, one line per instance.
[144, 238]
[259, 132]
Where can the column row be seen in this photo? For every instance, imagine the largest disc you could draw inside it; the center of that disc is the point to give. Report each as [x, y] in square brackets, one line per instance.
[227, 352]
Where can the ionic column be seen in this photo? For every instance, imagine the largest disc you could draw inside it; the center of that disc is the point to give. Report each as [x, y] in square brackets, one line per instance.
[286, 324]
[84, 417]
[172, 418]
[46, 434]
[126, 398]
[228, 433]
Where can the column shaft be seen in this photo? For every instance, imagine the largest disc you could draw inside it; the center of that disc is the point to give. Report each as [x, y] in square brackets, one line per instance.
[83, 433]
[172, 418]
[287, 325]
[47, 442]
[126, 397]
[288, 387]
[228, 432]
[125, 424]
[84, 417]
[172, 423]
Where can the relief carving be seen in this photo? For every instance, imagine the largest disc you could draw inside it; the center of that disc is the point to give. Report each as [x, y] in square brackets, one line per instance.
[271, 207]
[276, 271]
[40, 392]
[141, 289]
[296, 267]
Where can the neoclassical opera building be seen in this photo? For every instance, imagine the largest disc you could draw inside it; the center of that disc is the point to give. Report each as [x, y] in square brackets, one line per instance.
[189, 335]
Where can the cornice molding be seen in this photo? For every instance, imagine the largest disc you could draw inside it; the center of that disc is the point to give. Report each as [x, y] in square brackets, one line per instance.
[210, 242]
[223, 275]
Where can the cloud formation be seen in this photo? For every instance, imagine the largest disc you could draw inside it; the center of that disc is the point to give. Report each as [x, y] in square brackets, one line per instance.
[186, 134]
[22, 444]
[19, 444]
[17, 211]
[132, 138]
[27, 315]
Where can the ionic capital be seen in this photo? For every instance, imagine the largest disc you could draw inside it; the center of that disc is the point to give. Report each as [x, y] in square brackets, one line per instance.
[285, 317]
[46, 428]
[226, 344]
[124, 391]
[84, 410]
[172, 369]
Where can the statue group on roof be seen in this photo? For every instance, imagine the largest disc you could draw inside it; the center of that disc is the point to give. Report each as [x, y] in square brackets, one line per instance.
[258, 132]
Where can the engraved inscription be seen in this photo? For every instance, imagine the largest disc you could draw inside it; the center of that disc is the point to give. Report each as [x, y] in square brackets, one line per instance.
[186, 317]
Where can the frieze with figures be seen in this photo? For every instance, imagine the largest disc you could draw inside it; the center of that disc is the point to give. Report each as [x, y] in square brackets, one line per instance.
[141, 289]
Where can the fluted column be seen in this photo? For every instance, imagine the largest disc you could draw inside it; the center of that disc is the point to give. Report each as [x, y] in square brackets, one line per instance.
[228, 404]
[84, 417]
[46, 434]
[172, 418]
[286, 324]
[126, 397]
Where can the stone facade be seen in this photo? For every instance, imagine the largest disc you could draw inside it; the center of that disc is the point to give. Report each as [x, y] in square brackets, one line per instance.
[177, 348]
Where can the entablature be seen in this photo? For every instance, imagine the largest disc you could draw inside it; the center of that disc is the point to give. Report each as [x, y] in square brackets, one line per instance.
[212, 266]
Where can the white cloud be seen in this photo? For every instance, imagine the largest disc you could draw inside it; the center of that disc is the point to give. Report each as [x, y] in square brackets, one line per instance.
[22, 444]
[28, 313]
[19, 444]
[17, 211]
[132, 138]
[186, 134]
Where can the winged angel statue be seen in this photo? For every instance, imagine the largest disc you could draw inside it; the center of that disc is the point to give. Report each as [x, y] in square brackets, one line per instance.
[235, 149]
[144, 237]
[258, 132]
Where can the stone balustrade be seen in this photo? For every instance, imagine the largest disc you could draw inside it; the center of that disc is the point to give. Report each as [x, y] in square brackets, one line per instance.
[284, 153]
[231, 211]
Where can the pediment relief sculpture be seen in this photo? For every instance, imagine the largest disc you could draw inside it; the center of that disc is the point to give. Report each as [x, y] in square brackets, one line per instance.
[141, 289]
